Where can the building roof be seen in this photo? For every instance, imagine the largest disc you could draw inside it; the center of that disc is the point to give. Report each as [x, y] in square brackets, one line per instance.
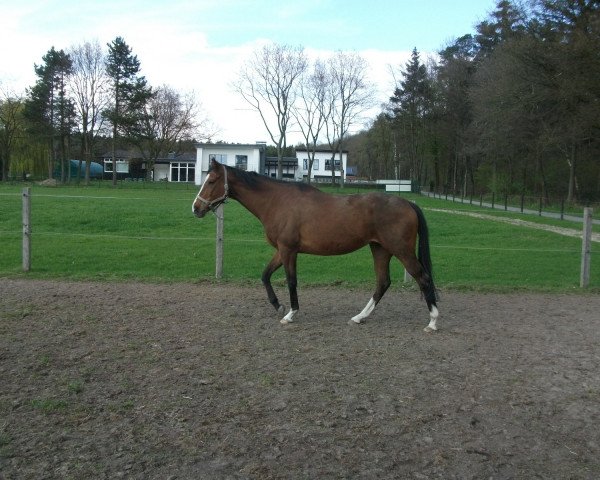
[319, 150]
[232, 146]
[171, 157]
[119, 153]
[181, 157]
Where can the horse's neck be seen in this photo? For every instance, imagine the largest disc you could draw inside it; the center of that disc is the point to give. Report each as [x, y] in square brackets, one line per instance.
[257, 202]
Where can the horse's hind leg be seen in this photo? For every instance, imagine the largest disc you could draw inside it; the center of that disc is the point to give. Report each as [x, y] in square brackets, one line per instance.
[273, 265]
[381, 260]
[415, 269]
[289, 258]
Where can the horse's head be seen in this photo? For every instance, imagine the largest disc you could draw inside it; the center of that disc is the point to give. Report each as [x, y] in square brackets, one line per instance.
[214, 191]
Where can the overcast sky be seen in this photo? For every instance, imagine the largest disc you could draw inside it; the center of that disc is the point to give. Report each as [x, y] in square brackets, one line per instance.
[198, 45]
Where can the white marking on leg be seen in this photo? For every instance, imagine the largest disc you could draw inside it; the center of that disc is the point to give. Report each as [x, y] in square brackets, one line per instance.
[369, 307]
[433, 316]
[289, 318]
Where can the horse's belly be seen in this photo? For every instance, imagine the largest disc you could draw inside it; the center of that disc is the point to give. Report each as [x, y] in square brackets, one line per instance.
[346, 231]
[334, 244]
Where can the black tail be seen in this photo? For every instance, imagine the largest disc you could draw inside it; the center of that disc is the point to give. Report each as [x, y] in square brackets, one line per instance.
[424, 254]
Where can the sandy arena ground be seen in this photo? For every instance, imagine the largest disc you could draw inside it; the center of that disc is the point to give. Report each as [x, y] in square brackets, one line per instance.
[193, 381]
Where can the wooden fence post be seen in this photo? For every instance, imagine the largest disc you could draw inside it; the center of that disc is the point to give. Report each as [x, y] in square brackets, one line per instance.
[219, 253]
[26, 229]
[586, 248]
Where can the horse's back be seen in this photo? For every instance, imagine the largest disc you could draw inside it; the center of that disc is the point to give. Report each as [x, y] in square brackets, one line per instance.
[382, 206]
[334, 224]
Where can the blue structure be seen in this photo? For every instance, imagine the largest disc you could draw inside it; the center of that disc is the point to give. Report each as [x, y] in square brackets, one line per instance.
[96, 169]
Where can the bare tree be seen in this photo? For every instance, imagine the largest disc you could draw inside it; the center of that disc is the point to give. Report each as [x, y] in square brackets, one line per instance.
[88, 83]
[169, 118]
[267, 82]
[351, 95]
[313, 109]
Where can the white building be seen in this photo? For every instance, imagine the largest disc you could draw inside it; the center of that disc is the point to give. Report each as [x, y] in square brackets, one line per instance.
[252, 158]
[321, 168]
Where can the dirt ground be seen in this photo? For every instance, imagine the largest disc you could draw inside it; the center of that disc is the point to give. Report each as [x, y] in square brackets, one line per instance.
[194, 381]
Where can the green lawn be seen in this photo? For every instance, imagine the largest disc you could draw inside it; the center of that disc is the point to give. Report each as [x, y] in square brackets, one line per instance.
[147, 232]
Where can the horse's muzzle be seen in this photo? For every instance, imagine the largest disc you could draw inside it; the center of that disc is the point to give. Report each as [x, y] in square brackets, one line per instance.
[200, 212]
[199, 209]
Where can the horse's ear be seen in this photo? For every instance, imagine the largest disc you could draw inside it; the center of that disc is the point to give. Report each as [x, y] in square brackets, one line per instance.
[214, 164]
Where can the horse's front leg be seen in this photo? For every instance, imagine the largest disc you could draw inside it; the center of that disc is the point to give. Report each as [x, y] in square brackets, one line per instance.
[273, 265]
[289, 258]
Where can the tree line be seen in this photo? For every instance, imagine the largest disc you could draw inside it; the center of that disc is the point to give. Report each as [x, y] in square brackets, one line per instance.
[85, 98]
[512, 109]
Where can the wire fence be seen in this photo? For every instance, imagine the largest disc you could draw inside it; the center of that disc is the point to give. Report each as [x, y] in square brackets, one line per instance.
[27, 233]
[556, 208]
[231, 239]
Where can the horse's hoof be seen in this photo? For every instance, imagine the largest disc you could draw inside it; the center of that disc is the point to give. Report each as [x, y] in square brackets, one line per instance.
[354, 322]
[283, 321]
[429, 329]
[281, 309]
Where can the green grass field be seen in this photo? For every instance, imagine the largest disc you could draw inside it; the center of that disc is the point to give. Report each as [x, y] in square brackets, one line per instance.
[147, 232]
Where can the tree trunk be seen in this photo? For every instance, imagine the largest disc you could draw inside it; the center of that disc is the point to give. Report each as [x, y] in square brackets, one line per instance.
[436, 172]
[86, 154]
[332, 165]
[311, 161]
[571, 186]
[341, 167]
[455, 172]
[465, 177]
[5, 165]
[543, 182]
[396, 156]
[114, 160]
[51, 160]
[495, 175]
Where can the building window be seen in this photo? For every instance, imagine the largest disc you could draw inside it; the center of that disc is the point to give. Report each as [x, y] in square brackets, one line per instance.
[336, 163]
[183, 172]
[241, 162]
[315, 165]
[219, 157]
[122, 166]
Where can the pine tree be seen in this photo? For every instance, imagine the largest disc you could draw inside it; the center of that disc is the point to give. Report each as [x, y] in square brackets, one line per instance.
[506, 22]
[129, 90]
[49, 109]
[410, 105]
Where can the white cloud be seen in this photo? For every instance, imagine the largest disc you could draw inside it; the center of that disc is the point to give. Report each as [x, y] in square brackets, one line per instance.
[173, 49]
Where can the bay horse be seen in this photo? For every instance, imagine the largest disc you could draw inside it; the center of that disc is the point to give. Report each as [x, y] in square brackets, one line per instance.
[298, 218]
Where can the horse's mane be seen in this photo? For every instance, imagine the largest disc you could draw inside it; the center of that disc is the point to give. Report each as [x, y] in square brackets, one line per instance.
[255, 181]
